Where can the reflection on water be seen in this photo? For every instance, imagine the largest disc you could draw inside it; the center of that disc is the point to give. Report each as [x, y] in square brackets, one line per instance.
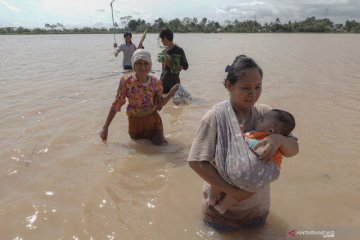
[59, 181]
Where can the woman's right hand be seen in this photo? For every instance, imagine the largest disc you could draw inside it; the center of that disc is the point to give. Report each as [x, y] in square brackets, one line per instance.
[174, 89]
[103, 134]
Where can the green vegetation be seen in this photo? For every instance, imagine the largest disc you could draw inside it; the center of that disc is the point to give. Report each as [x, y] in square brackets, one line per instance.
[192, 25]
[173, 61]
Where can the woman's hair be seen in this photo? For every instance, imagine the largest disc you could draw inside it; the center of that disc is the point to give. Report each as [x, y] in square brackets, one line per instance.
[238, 68]
[166, 33]
[127, 34]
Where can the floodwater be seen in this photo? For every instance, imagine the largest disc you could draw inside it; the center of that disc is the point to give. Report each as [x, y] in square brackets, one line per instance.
[59, 181]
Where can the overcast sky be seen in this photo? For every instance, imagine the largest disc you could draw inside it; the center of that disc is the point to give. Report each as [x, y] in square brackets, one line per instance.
[80, 13]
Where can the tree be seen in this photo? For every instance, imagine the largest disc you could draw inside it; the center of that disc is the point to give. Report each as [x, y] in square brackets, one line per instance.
[352, 26]
[202, 24]
[59, 25]
[22, 30]
[125, 20]
[136, 25]
[187, 24]
[38, 30]
[132, 25]
[159, 24]
[176, 25]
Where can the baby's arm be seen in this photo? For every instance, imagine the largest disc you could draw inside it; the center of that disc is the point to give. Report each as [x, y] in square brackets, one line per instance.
[287, 145]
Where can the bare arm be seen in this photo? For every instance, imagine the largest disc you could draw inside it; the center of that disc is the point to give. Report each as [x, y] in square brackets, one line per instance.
[166, 99]
[104, 132]
[208, 172]
[290, 146]
[117, 51]
[287, 145]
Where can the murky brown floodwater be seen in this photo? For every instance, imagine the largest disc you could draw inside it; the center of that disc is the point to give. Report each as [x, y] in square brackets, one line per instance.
[58, 181]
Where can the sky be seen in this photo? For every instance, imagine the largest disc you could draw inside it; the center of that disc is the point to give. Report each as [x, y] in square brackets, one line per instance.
[97, 13]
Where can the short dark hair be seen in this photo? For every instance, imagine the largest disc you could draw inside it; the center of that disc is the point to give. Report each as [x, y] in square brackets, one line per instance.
[238, 68]
[127, 34]
[287, 121]
[166, 33]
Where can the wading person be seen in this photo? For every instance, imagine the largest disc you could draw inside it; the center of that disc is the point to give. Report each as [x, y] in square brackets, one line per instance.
[218, 132]
[145, 98]
[173, 63]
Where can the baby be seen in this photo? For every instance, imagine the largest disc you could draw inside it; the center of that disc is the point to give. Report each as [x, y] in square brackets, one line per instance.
[275, 121]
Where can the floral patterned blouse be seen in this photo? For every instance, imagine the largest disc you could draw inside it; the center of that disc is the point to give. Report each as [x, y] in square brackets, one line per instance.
[142, 97]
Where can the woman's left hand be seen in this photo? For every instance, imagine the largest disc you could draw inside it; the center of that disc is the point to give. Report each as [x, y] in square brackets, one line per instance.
[174, 89]
[270, 145]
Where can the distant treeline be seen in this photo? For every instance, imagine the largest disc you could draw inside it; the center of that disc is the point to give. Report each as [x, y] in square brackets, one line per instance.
[192, 25]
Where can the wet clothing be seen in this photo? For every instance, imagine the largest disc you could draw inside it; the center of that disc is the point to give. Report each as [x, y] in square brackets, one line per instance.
[144, 120]
[145, 127]
[234, 160]
[255, 208]
[168, 78]
[142, 97]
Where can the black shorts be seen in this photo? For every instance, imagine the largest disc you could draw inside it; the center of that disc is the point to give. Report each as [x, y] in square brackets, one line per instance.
[168, 81]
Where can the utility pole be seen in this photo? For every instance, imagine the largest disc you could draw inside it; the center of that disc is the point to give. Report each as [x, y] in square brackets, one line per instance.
[112, 15]
[326, 12]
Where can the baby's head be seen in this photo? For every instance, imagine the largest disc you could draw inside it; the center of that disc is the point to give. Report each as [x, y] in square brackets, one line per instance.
[276, 121]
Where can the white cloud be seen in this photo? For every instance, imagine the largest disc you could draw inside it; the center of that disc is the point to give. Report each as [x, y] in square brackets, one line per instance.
[10, 7]
[97, 12]
[268, 10]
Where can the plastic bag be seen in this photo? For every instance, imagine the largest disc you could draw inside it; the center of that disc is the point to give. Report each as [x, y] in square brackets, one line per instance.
[182, 96]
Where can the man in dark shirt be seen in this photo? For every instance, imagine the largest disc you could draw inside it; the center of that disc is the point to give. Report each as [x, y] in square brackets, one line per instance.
[168, 77]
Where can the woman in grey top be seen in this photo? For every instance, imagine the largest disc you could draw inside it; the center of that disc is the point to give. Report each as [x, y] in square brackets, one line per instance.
[128, 48]
[244, 84]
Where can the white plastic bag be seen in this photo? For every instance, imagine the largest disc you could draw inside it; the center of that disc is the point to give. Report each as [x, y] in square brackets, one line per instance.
[182, 96]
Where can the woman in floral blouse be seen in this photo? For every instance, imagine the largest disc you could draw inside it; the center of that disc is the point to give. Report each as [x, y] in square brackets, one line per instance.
[145, 98]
